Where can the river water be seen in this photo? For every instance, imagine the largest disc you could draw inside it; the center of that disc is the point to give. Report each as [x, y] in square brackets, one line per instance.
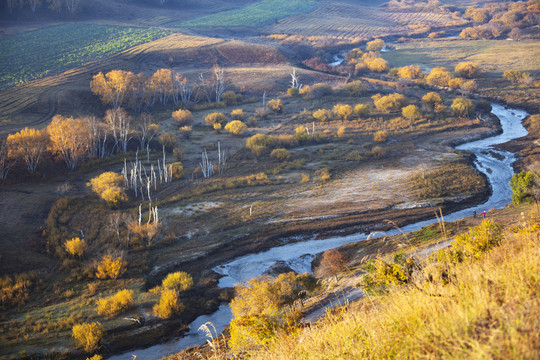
[496, 164]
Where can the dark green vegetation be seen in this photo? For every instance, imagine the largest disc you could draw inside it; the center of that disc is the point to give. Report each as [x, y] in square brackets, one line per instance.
[34, 54]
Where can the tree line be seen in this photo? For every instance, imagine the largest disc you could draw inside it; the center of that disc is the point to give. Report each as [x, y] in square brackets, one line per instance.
[139, 92]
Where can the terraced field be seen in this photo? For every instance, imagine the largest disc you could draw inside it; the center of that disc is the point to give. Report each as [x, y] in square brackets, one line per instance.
[347, 21]
[32, 55]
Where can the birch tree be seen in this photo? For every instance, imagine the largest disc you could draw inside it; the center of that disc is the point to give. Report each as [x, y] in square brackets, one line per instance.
[70, 138]
[119, 123]
[29, 145]
[6, 162]
[219, 81]
[146, 129]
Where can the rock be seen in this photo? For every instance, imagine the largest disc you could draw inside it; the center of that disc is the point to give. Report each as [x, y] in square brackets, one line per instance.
[280, 267]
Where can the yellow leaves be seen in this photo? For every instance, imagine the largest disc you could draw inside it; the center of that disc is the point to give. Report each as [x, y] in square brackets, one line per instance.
[75, 246]
[116, 304]
[322, 115]
[109, 187]
[411, 112]
[236, 127]
[343, 111]
[276, 105]
[111, 267]
[179, 281]
[71, 138]
[182, 117]
[88, 335]
[439, 76]
[389, 103]
[214, 118]
[168, 305]
[280, 154]
[411, 72]
[28, 144]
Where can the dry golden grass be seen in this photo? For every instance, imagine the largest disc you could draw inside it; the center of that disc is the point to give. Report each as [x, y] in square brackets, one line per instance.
[486, 309]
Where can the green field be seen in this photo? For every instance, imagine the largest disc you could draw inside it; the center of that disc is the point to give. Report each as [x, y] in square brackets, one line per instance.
[32, 55]
[259, 14]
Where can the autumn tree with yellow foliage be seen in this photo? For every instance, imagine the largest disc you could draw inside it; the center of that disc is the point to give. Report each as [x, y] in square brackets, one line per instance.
[29, 145]
[71, 138]
[88, 335]
[111, 267]
[168, 304]
[75, 246]
[116, 304]
[109, 186]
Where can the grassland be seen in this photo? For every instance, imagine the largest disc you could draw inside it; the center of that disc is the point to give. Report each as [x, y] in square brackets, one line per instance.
[258, 14]
[35, 54]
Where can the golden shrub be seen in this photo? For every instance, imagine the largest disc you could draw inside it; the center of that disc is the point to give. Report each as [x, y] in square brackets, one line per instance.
[380, 136]
[168, 304]
[280, 154]
[215, 118]
[111, 267]
[466, 70]
[343, 111]
[75, 246]
[109, 187]
[375, 45]
[88, 335]
[322, 115]
[177, 170]
[341, 131]
[238, 114]
[361, 110]
[116, 304]
[432, 99]
[182, 117]
[236, 127]
[439, 76]
[276, 105]
[411, 112]
[179, 281]
[114, 196]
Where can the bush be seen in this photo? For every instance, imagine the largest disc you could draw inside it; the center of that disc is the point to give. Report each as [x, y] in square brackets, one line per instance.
[301, 135]
[276, 105]
[116, 304]
[467, 70]
[236, 127]
[411, 112]
[280, 154]
[355, 88]
[324, 175]
[389, 103]
[380, 136]
[439, 76]
[322, 115]
[377, 64]
[305, 178]
[261, 112]
[469, 86]
[362, 110]
[75, 246]
[177, 170]
[321, 89]
[88, 336]
[431, 100]
[111, 267]
[293, 92]
[182, 117]
[259, 143]
[375, 45]
[168, 140]
[341, 131]
[231, 98]
[378, 152]
[411, 72]
[462, 107]
[217, 127]
[179, 281]
[109, 187]
[514, 76]
[455, 83]
[238, 114]
[186, 131]
[168, 304]
[342, 111]
[214, 118]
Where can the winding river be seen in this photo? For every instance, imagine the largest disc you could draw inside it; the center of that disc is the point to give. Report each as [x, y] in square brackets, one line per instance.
[495, 163]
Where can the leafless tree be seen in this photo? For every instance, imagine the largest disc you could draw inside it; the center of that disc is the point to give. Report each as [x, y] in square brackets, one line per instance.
[119, 123]
[219, 81]
[295, 81]
[146, 129]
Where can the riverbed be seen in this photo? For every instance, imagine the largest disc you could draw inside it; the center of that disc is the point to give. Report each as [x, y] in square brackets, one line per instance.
[496, 164]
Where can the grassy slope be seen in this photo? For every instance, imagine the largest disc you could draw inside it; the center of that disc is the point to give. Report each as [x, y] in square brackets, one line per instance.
[489, 309]
[35, 54]
[259, 14]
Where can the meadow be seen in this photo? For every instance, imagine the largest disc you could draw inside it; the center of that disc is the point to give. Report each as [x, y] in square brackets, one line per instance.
[259, 14]
[35, 54]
